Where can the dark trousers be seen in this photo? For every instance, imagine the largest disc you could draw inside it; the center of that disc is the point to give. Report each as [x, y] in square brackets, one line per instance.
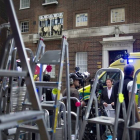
[120, 131]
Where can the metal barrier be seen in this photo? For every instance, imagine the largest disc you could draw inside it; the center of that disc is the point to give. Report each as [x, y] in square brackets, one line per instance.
[102, 119]
[131, 106]
[77, 115]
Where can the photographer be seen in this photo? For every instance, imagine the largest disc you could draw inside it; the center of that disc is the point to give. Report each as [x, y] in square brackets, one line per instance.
[74, 83]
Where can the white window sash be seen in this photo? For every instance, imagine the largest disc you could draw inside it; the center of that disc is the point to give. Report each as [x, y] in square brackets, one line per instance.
[81, 61]
[51, 17]
[23, 27]
[25, 7]
[82, 21]
[119, 17]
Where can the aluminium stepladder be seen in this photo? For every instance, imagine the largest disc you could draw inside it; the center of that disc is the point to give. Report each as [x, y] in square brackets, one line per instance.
[57, 57]
[53, 57]
[4, 25]
[103, 119]
[18, 117]
[135, 125]
[76, 135]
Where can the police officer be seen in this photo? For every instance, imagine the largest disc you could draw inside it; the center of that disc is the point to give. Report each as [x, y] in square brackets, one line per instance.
[127, 89]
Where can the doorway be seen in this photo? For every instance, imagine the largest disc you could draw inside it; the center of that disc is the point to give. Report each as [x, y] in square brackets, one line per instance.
[115, 55]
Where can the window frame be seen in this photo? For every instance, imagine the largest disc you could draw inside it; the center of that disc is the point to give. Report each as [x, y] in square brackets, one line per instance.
[79, 15]
[24, 7]
[125, 6]
[81, 12]
[49, 17]
[21, 26]
[117, 21]
[83, 64]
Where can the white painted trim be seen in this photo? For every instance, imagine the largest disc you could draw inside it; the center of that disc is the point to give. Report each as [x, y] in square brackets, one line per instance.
[115, 9]
[102, 30]
[112, 46]
[48, 3]
[86, 61]
[24, 7]
[123, 38]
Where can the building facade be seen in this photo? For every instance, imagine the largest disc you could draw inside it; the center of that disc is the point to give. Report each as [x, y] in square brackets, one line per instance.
[3, 20]
[98, 31]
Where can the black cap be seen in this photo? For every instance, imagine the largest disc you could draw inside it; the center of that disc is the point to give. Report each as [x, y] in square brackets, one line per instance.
[74, 76]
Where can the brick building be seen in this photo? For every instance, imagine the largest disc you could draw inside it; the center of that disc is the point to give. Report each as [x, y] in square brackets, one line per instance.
[3, 19]
[98, 31]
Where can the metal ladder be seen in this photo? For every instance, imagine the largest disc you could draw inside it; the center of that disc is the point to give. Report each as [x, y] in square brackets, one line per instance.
[103, 119]
[75, 114]
[56, 57]
[28, 74]
[12, 120]
[4, 25]
[131, 106]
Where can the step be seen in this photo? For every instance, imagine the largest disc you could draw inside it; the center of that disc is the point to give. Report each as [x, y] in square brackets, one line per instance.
[136, 126]
[44, 106]
[30, 128]
[50, 57]
[12, 73]
[48, 106]
[104, 120]
[46, 84]
[10, 120]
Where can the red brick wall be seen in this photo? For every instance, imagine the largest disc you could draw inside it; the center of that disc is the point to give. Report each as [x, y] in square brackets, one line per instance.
[3, 35]
[98, 11]
[99, 15]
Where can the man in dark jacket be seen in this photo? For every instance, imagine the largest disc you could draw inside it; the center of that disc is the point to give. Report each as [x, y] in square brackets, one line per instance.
[74, 83]
[127, 89]
[107, 96]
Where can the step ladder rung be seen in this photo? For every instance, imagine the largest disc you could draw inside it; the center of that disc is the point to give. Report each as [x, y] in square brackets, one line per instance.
[48, 106]
[136, 126]
[44, 106]
[30, 128]
[46, 84]
[20, 116]
[50, 57]
[104, 120]
[12, 73]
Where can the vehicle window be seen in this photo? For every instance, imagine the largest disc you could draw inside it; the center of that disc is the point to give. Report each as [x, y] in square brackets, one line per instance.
[103, 78]
[115, 76]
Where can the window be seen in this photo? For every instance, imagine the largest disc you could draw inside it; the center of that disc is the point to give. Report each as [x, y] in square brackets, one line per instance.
[24, 26]
[51, 25]
[52, 73]
[117, 15]
[81, 61]
[47, 2]
[81, 19]
[114, 76]
[24, 4]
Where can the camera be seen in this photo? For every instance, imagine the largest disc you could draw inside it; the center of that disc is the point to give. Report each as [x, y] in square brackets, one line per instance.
[82, 76]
